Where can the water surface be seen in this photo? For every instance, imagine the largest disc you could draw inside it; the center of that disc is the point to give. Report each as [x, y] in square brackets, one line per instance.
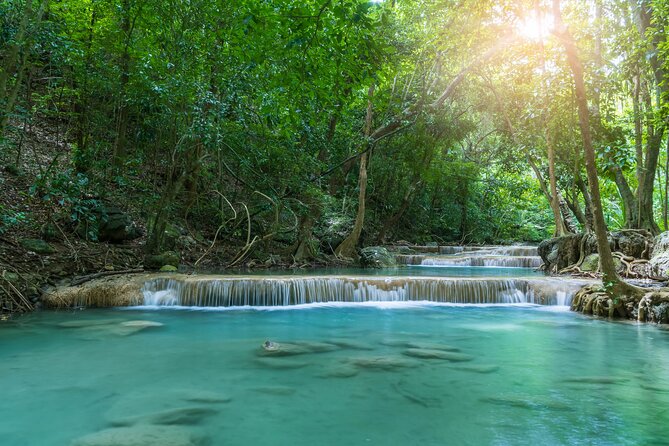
[524, 375]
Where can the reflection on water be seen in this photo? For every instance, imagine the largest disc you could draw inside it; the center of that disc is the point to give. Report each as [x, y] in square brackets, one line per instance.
[357, 374]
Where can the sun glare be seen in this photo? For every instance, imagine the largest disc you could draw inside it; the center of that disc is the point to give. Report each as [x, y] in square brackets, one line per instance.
[535, 26]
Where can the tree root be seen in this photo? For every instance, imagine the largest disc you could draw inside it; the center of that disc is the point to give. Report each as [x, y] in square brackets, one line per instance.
[651, 306]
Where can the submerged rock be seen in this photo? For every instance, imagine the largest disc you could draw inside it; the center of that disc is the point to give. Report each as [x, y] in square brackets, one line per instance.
[86, 323]
[141, 324]
[350, 344]
[279, 363]
[432, 346]
[275, 390]
[271, 348]
[383, 362]
[424, 353]
[164, 407]
[402, 388]
[340, 371]
[142, 435]
[96, 329]
[526, 402]
[205, 397]
[178, 416]
[317, 347]
[595, 380]
[483, 369]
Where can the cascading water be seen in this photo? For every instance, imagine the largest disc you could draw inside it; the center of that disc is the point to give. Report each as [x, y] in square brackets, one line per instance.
[492, 256]
[499, 261]
[268, 292]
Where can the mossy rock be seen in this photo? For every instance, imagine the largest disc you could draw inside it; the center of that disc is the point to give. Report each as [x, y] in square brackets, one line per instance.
[591, 263]
[13, 278]
[168, 269]
[38, 246]
[376, 257]
[49, 232]
[157, 261]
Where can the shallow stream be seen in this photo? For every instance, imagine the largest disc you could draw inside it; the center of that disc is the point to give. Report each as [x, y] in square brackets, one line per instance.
[379, 373]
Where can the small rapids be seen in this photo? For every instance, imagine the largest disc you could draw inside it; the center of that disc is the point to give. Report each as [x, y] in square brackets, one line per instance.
[475, 256]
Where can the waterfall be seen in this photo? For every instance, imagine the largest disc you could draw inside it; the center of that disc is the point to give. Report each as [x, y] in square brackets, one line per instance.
[500, 261]
[271, 291]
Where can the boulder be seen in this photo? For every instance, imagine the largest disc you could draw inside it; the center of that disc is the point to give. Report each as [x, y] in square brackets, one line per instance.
[376, 257]
[157, 261]
[168, 269]
[37, 246]
[115, 225]
[659, 259]
[110, 224]
[632, 243]
[560, 252]
[591, 263]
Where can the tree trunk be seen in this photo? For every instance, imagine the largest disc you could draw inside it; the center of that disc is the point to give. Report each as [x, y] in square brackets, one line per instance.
[14, 66]
[612, 281]
[347, 247]
[587, 199]
[392, 221]
[565, 212]
[124, 67]
[560, 226]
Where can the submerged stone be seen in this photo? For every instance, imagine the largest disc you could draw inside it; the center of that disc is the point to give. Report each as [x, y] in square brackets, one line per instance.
[141, 324]
[275, 390]
[142, 435]
[437, 354]
[383, 363]
[317, 347]
[89, 323]
[410, 395]
[178, 416]
[340, 371]
[396, 343]
[271, 348]
[654, 388]
[594, 380]
[279, 363]
[483, 369]
[432, 346]
[350, 344]
[205, 397]
[522, 402]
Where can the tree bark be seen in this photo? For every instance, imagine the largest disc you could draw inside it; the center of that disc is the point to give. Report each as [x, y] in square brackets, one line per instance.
[612, 281]
[347, 247]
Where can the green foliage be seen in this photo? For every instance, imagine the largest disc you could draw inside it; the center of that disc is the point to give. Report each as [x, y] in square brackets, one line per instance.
[170, 104]
[10, 218]
[69, 193]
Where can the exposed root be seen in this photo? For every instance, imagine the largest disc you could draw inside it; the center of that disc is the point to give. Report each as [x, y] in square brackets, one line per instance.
[651, 306]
